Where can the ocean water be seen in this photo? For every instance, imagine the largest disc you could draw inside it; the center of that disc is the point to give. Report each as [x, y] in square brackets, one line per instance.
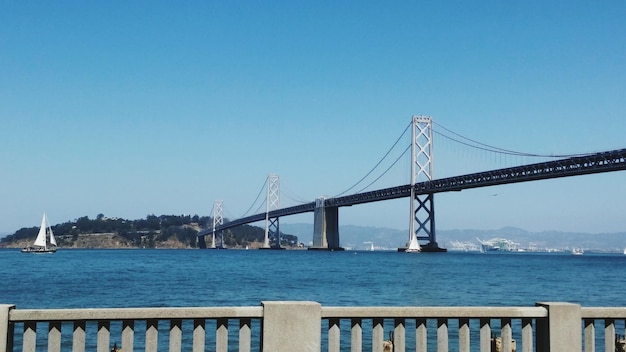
[178, 278]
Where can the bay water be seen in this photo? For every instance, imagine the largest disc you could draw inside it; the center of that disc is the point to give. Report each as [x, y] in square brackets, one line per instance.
[191, 278]
[183, 278]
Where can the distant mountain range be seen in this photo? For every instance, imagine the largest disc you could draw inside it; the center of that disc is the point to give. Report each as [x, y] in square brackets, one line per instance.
[360, 237]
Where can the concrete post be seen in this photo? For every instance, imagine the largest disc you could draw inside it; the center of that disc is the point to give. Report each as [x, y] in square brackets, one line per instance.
[561, 331]
[6, 336]
[291, 326]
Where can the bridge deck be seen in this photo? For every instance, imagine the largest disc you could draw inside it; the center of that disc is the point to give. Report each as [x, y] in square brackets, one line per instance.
[583, 165]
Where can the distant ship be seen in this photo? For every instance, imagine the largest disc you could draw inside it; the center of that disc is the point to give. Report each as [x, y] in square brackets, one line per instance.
[578, 251]
[497, 244]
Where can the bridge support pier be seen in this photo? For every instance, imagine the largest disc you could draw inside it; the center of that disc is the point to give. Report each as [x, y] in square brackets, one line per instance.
[201, 242]
[325, 227]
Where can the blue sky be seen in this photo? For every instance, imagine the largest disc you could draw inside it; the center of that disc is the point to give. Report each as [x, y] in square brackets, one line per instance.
[150, 107]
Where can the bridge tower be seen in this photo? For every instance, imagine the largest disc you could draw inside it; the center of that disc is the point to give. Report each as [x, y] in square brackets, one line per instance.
[218, 219]
[422, 207]
[272, 228]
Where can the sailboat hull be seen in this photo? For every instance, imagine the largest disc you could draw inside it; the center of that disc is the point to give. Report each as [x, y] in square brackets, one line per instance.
[39, 250]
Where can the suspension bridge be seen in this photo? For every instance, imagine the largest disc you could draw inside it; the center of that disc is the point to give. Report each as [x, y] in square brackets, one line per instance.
[421, 191]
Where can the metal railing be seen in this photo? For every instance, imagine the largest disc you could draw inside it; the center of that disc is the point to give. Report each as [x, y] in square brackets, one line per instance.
[307, 326]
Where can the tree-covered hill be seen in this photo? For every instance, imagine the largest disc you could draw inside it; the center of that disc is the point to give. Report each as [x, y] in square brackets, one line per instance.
[178, 231]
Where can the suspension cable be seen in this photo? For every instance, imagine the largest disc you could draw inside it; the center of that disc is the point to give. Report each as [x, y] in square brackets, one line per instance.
[292, 196]
[258, 210]
[387, 170]
[377, 164]
[490, 148]
[253, 203]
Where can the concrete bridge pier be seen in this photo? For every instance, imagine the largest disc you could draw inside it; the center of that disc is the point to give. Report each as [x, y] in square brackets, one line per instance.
[201, 242]
[325, 227]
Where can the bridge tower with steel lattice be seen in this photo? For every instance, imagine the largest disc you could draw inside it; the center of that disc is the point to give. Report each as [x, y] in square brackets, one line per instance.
[422, 208]
[272, 225]
[218, 220]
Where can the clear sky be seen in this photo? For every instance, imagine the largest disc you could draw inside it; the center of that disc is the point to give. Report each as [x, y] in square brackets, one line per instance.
[130, 108]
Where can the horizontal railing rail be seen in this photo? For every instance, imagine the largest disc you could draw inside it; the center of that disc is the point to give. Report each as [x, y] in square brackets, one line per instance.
[308, 326]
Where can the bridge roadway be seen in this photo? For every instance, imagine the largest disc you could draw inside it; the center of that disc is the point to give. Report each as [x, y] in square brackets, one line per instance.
[582, 165]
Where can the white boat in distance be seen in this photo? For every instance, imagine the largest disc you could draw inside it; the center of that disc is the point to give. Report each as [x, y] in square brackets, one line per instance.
[413, 246]
[578, 251]
[45, 242]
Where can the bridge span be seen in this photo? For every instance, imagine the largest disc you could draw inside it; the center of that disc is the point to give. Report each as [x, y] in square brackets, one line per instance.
[608, 161]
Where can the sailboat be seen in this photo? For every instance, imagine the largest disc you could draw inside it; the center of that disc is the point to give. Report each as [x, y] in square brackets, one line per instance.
[45, 242]
[413, 246]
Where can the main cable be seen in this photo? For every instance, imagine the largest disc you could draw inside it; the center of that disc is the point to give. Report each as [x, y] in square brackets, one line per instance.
[490, 148]
[377, 164]
[257, 198]
[385, 172]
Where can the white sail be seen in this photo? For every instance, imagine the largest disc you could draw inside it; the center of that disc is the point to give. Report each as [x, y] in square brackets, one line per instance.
[53, 241]
[41, 236]
[413, 246]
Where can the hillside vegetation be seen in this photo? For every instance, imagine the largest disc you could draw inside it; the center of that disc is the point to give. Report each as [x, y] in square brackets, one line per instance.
[165, 231]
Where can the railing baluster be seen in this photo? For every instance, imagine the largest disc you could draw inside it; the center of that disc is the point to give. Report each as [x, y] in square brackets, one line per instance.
[30, 336]
[506, 333]
[245, 335]
[54, 336]
[590, 335]
[378, 332]
[527, 335]
[609, 335]
[464, 335]
[356, 335]
[399, 335]
[78, 336]
[152, 335]
[221, 335]
[624, 321]
[421, 335]
[485, 335]
[199, 335]
[334, 338]
[128, 335]
[104, 336]
[176, 335]
[442, 335]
